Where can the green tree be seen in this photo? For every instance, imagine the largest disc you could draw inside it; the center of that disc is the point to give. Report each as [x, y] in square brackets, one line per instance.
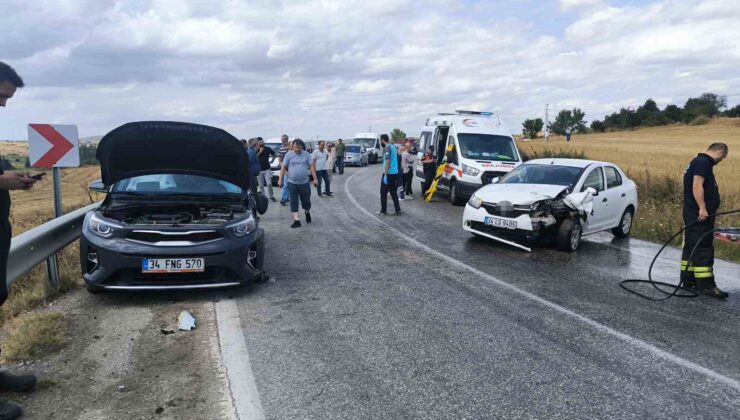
[397, 134]
[673, 113]
[598, 126]
[573, 119]
[708, 104]
[732, 112]
[530, 127]
[87, 154]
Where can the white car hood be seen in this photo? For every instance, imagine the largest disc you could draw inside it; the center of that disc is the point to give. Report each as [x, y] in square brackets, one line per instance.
[520, 194]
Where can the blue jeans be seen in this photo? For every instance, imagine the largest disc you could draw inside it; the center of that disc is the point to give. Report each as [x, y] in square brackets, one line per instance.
[285, 197]
[302, 192]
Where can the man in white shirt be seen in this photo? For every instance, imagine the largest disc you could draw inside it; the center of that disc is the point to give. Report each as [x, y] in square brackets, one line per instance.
[320, 156]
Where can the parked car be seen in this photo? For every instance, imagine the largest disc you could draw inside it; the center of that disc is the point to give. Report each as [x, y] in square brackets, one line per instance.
[177, 213]
[355, 155]
[275, 144]
[476, 146]
[553, 200]
[371, 143]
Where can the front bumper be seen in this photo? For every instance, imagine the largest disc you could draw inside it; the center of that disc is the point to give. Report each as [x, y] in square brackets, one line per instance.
[351, 160]
[522, 237]
[467, 189]
[119, 263]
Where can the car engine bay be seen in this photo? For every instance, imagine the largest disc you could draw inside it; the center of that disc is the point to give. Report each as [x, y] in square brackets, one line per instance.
[169, 215]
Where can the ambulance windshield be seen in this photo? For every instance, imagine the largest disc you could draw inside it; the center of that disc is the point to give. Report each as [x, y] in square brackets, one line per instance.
[487, 147]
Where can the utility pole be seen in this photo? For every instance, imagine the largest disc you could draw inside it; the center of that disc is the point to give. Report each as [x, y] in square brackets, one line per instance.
[547, 122]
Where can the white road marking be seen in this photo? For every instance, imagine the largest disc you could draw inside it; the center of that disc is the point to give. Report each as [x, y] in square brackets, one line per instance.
[242, 386]
[733, 383]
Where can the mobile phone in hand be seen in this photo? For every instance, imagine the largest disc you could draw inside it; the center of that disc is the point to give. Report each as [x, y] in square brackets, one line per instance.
[38, 176]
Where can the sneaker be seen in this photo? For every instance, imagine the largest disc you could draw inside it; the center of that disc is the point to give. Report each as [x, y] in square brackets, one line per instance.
[329, 194]
[398, 213]
[296, 224]
[16, 383]
[401, 199]
[409, 197]
[321, 195]
[273, 199]
[716, 293]
[283, 203]
[9, 410]
[383, 213]
[308, 217]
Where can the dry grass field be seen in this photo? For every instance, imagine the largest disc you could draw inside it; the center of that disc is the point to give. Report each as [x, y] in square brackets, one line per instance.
[655, 158]
[34, 207]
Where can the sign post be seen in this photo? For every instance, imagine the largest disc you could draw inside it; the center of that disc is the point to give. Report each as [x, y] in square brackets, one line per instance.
[54, 146]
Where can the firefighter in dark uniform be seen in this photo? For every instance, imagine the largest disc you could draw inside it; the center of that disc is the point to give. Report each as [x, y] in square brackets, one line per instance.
[9, 83]
[701, 202]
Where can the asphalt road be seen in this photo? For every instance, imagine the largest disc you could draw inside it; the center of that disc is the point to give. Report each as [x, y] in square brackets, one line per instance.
[411, 317]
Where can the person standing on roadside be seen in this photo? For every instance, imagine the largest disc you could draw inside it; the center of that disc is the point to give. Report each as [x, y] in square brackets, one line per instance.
[430, 168]
[10, 81]
[389, 181]
[320, 157]
[285, 147]
[408, 161]
[254, 166]
[340, 156]
[567, 134]
[332, 152]
[265, 155]
[701, 200]
[296, 167]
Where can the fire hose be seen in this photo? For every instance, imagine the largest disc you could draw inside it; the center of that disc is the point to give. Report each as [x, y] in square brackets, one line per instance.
[678, 289]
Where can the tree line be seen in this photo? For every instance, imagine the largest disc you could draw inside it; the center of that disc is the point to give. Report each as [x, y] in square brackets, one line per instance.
[695, 111]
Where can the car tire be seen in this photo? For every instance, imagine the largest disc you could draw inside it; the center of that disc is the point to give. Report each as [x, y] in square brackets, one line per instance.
[625, 224]
[94, 290]
[569, 235]
[455, 198]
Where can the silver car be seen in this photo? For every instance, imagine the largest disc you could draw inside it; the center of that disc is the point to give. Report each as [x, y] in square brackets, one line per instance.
[355, 155]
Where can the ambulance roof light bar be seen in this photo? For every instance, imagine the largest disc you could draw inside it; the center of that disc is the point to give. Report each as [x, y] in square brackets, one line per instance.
[465, 112]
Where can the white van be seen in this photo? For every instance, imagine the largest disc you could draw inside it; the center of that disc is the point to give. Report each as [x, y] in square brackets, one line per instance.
[371, 142]
[482, 149]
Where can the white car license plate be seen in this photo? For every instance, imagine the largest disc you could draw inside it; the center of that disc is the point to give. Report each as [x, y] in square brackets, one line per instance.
[172, 265]
[502, 223]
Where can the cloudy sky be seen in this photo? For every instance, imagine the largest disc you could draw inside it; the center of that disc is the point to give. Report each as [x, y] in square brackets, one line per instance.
[335, 67]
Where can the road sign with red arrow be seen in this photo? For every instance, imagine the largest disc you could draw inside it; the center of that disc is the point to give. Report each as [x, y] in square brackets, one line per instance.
[53, 145]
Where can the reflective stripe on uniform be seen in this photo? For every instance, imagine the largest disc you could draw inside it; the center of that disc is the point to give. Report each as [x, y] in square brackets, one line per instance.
[701, 269]
[703, 275]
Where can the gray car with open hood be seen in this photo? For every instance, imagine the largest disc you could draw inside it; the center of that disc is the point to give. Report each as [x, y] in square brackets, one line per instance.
[177, 212]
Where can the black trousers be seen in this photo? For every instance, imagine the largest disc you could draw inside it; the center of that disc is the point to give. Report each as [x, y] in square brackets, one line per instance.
[340, 164]
[429, 173]
[392, 188]
[700, 269]
[408, 177]
[323, 175]
[5, 236]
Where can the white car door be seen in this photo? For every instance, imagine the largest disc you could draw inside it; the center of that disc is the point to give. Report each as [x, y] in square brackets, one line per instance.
[616, 194]
[594, 178]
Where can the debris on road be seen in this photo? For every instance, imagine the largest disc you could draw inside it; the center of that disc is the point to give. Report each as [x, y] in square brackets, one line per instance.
[167, 331]
[185, 321]
[121, 388]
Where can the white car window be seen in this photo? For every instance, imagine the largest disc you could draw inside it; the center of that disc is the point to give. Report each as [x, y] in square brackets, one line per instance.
[595, 180]
[613, 178]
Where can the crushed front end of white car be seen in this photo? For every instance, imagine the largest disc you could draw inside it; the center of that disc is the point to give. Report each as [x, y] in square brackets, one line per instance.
[537, 219]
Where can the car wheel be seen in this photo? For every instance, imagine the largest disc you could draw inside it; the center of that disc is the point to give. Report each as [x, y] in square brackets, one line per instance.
[455, 198]
[625, 225]
[569, 235]
[92, 289]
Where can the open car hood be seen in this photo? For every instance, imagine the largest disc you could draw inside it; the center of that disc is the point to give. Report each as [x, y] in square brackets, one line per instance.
[160, 147]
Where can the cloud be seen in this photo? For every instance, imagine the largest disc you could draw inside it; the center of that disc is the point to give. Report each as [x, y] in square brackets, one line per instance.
[335, 67]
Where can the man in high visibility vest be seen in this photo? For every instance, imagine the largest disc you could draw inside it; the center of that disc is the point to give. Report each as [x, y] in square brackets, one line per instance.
[701, 201]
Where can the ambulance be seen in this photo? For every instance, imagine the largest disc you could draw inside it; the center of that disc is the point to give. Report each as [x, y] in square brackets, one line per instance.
[476, 147]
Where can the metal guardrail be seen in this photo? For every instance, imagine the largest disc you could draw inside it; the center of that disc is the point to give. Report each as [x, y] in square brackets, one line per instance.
[30, 248]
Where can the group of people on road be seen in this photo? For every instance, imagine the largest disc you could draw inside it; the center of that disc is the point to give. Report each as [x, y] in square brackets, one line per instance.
[298, 169]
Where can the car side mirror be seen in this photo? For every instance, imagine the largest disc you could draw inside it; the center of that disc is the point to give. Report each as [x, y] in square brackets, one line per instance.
[593, 191]
[495, 180]
[261, 203]
[98, 187]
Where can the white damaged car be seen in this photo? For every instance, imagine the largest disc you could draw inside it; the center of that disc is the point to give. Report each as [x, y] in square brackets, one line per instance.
[553, 201]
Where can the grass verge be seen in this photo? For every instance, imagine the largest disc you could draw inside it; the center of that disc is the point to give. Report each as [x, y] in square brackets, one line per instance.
[34, 335]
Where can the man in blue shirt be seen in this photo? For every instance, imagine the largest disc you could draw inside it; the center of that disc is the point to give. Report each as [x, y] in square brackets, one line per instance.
[389, 182]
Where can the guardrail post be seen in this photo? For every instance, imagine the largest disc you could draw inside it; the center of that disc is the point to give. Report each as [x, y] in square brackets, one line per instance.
[52, 265]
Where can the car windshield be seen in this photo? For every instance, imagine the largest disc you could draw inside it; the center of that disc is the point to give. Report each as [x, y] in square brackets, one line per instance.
[274, 146]
[487, 147]
[369, 143]
[543, 174]
[353, 148]
[175, 184]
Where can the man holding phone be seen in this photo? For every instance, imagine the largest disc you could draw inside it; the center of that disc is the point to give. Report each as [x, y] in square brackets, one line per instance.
[9, 83]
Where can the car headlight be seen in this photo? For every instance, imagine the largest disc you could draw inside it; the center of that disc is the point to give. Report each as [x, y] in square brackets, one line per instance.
[245, 227]
[469, 170]
[475, 201]
[102, 228]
